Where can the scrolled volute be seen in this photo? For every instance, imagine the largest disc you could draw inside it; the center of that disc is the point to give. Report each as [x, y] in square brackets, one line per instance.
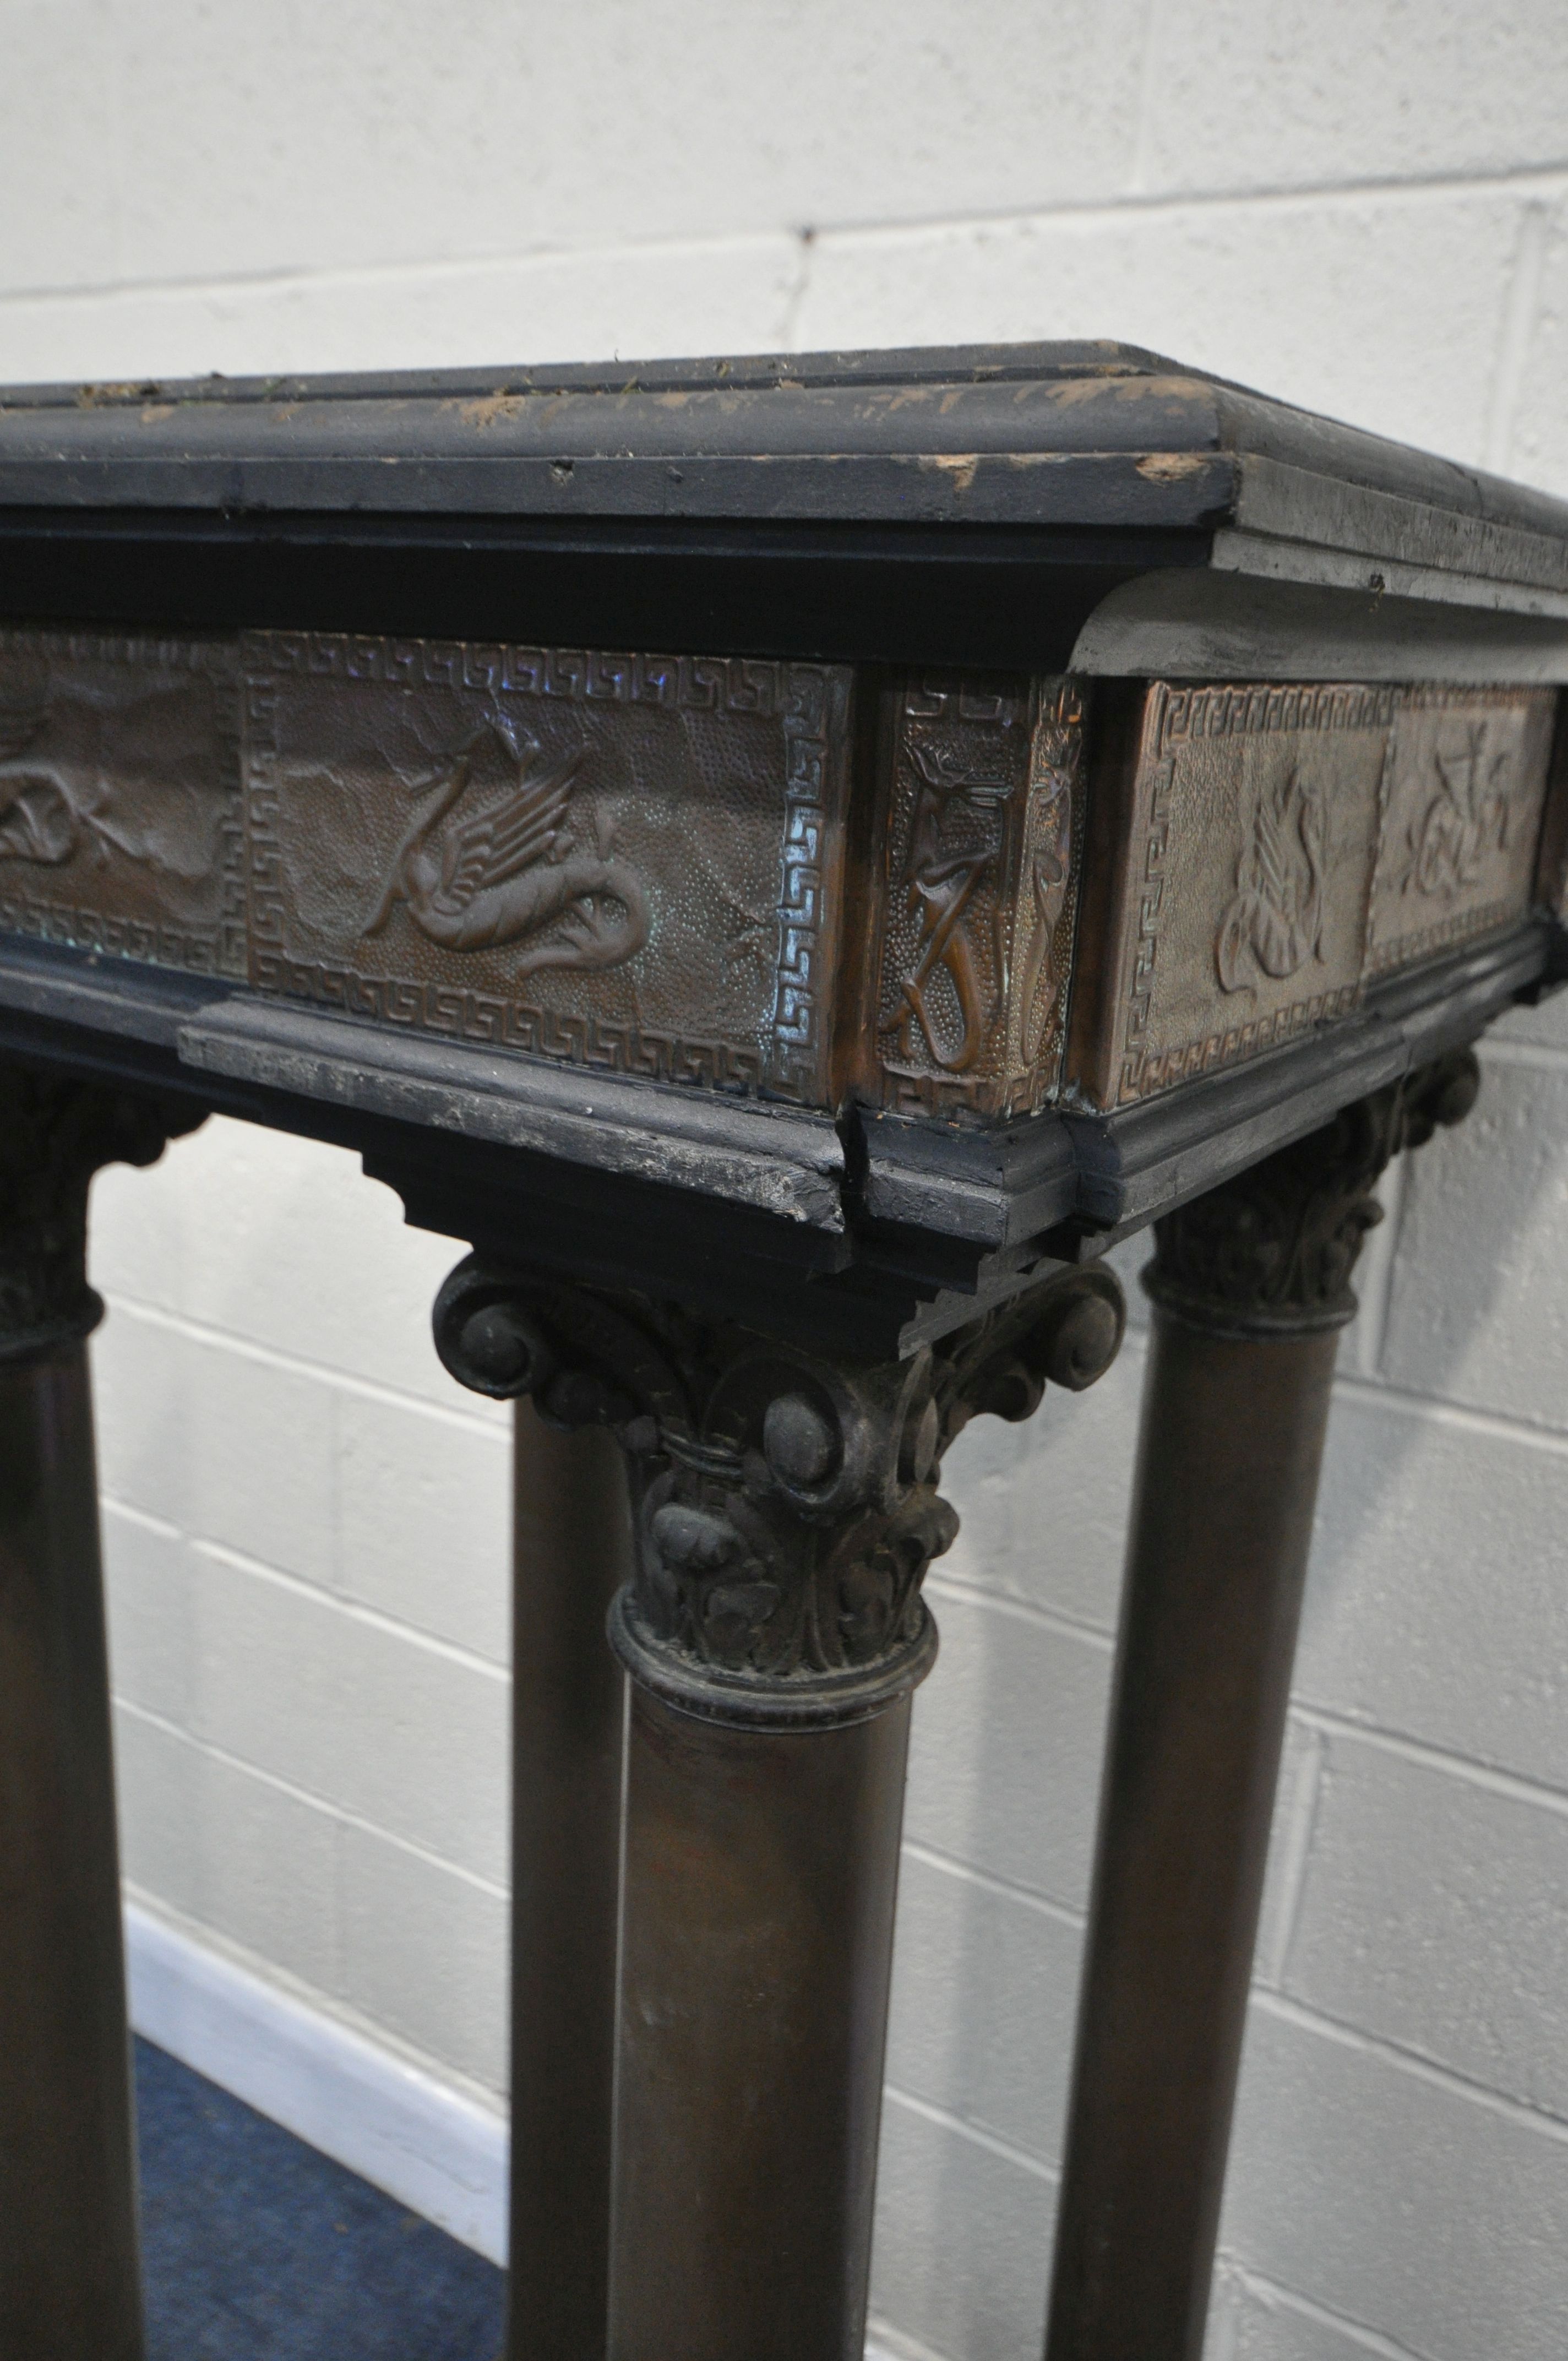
[786, 1504]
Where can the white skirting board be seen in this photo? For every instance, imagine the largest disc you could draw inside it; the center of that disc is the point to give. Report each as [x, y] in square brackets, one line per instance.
[440, 2153]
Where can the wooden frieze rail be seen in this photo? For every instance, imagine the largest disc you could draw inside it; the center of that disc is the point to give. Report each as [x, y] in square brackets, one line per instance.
[786, 883]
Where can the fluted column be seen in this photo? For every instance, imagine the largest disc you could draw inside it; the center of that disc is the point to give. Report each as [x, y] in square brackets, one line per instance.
[69, 2283]
[785, 1510]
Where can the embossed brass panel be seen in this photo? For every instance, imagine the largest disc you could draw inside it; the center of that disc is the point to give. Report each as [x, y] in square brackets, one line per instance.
[642, 862]
[1465, 783]
[623, 861]
[119, 797]
[1239, 902]
[1261, 851]
[977, 881]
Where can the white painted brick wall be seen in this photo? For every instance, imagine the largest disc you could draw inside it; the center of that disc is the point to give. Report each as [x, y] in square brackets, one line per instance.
[1363, 207]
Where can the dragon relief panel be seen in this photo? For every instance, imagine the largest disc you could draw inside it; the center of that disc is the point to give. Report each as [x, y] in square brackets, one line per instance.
[619, 861]
[119, 797]
[1465, 787]
[785, 1503]
[978, 877]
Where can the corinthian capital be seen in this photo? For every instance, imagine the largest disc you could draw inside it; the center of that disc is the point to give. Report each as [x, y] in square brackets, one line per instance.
[1273, 1250]
[786, 1502]
[55, 1133]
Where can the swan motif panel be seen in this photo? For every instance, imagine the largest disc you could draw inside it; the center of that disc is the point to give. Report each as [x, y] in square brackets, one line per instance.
[628, 862]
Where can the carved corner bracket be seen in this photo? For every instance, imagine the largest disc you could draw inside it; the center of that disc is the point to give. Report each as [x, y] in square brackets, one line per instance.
[1272, 1252]
[55, 1134]
[786, 1505]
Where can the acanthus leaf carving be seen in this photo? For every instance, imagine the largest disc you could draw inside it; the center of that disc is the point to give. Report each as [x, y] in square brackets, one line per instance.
[56, 1131]
[786, 1504]
[1273, 1250]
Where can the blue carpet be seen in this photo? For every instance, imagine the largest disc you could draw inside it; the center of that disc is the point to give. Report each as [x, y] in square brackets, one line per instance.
[257, 2248]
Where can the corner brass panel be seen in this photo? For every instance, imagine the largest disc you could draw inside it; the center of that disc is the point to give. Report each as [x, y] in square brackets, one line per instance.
[976, 883]
[120, 796]
[630, 861]
[1465, 785]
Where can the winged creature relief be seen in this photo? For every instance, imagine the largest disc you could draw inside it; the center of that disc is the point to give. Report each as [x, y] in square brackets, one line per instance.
[1277, 914]
[1467, 818]
[36, 821]
[510, 868]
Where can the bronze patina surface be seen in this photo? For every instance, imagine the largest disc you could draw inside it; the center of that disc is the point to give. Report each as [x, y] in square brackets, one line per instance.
[120, 796]
[978, 838]
[772, 879]
[620, 861]
[1262, 851]
[1461, 813]
[1089, 794]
